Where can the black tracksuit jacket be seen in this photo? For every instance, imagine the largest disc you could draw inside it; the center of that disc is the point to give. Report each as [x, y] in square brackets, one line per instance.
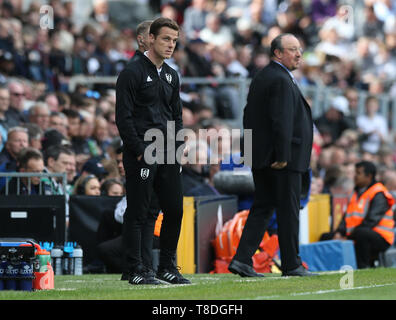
[146, 100]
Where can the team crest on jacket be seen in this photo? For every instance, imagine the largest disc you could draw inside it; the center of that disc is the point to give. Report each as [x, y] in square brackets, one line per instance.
[168, 77]
[144, 173]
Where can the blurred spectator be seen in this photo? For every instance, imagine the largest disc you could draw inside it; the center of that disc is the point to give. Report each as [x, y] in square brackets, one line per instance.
[100, 16]
[114, 147]
[338, 156]
[246, 34]
[100, 63]
[196, 170]
[4, 104]
[195, 18]
[218, 138]
[352, 96]
[238, 61]
[101, 133]
[60, 159]
[112, 187]
[385, 155]
[17, 139]
[83, 143]
[29, 160]
[372, 126]
[261, 13]
[59, 122]
[349, 141]
[322, 10]
[39, 114]
[15, 113]
[94, 166]
[342, 186]
[120, 164]
[389, 181]
[7, 65]
[111, 167]
[215, 33]
[342, 22]
[201, 113]
[332, 174]
[373, 27]
[334, 118]
[168, 11]
[88, 185]
[74, 121]
[53, 137]
[51, 100]
[110, 117]
[348, 170]
[316, 185]
[332, 45]
[36, 135]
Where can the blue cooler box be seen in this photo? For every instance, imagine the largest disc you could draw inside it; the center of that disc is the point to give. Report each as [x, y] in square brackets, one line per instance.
[328, 255]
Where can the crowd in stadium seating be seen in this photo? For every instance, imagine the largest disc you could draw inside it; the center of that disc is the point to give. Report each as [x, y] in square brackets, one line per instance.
[352, 48]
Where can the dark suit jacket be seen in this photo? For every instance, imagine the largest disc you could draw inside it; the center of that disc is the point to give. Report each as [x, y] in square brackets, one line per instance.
[280, 119]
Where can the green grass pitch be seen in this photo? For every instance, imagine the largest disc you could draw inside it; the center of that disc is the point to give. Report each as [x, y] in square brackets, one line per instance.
[369, 284]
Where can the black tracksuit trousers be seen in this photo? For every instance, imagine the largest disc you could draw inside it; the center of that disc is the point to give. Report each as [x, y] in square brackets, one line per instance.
[142, 180]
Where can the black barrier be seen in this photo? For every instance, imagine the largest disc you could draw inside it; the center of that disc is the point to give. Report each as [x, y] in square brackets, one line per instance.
[85, 213]
[210, 212]
[33, 216]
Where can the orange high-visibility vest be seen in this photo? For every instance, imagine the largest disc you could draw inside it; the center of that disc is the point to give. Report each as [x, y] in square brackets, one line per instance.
[358, 207]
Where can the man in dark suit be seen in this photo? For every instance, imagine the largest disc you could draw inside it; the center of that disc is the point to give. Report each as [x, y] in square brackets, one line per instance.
[282, 133]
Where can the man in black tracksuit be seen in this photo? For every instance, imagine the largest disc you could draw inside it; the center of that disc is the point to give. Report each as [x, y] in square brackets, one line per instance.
[147, 97]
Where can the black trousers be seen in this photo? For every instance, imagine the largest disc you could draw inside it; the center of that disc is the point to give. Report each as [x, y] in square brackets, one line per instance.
[278, 190]
[110, 251]
[141, 181]
[368, 244]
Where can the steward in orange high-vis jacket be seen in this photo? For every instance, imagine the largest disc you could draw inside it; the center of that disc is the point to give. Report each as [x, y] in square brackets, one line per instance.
[369, 219]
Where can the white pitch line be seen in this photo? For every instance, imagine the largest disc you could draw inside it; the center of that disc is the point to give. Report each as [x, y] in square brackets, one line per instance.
[325, 291]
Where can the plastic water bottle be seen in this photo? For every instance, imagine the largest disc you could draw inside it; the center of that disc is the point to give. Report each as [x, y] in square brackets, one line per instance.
[43, 256]
[68, 265]
[56, 255]
[25, 276]
[12, 275]
[78, 260]
[3, 268]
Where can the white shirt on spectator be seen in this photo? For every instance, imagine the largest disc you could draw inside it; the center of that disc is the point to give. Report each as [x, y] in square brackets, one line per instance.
[367, 125]
[222, 37]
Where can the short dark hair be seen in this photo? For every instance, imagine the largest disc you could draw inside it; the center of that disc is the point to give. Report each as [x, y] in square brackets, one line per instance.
[276, 43]
[71, 113]
[55, 150]
[161, 22]
[368, 167]
[27, 154]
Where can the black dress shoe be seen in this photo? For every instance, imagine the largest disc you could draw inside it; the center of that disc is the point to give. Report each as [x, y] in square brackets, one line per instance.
[125, 276]
[299, 272]
[243, 269]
